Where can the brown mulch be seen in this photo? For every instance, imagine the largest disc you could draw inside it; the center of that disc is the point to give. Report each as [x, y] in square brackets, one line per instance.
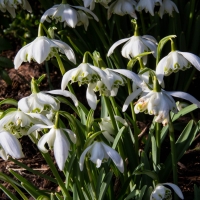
[188, 167]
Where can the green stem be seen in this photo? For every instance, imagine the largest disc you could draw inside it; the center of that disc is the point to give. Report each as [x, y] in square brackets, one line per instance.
[134, 121]
[60, 63]
[64, 1]
[56, 120]
[40, 30]
[57, 176]
[158, 132]
[85, 56]
[173, 152]
[34, 86]
[90, 177]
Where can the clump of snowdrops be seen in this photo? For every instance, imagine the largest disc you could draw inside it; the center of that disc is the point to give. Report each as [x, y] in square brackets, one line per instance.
[104, 154]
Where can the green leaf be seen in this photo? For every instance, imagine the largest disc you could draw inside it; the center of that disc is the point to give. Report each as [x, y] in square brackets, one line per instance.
[5, 77]
[119, 134]
[149, 173]
[8, 193]
[105, 185]
[9, 101]
[196, 192]
[6, 62]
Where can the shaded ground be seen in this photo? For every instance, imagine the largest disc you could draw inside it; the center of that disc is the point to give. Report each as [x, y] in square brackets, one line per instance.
[188, 167]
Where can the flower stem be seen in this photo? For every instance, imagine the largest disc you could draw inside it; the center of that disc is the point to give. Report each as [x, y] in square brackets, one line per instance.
[158, 141]
[34, 86]
[60, 63]
[173, 152]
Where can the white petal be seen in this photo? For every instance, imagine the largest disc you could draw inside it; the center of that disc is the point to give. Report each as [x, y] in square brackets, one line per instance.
[41, 117]
[193, 59]
[91, 96]
[176, 189]
[116, 158]
[64, 93]
[130, 98]
[185, 96]
[61, 148]
[47, 138]
[66, 78]
[116, 44]
[36, 127]
[23, 104]
[160, 69]
[72, 135]
[41, 49]
[82, 158]
[11, 145]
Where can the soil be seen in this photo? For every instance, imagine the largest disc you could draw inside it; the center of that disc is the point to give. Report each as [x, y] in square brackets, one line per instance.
[188, 167]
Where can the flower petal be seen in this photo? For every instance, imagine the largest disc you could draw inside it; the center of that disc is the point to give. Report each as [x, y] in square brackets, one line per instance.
[66, 78]
[176, 189]
[91, 96]
[160, 69]
[11, 145]
[61, 149]
[36, 127]
[116, 158]
[116, 44]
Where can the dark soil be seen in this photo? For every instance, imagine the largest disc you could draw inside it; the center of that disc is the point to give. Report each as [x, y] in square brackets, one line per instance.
[188, 167]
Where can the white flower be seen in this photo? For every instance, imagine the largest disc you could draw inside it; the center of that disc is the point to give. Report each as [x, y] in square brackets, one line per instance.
[167, 6]
[17, 123]
[114, 80]
[41, 49]
[91, 3]
[162, 192]
[135, 46]
[161, 103]
[43, 103]
[148, 5]
[86, 73]
[122, 7]
[57, 139]
[9, 145]
[107, 127]
[11, 5]
[68, 14]
[176, 61]
[100, 151]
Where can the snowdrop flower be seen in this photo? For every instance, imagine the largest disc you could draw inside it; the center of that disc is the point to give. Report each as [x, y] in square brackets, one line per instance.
[136, 45]
[100, 151]
[167, 6]
[41, 49]
[41, 102]
[161, 103]
[176, 61]
[107, 127]
[115, 81]
[122, 7]
[9, 145]
[69, 15]
[91, 3]
[11, 5]
[17, 123]
[86, 73]
[162, 192]
[148, 5]
[57, 139]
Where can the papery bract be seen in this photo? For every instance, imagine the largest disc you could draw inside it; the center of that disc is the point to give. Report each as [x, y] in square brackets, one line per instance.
[91, 3]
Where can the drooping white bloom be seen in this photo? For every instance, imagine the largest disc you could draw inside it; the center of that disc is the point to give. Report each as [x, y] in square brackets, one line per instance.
[100, 151]
[135, 46]
[122, 7]
[176, 61]
[107, 127]
[114, 80]
[91, 3]
[57, 139]
[86, 73]
[11, 5]
[9, 145]
[17, 123]
[148, 5]
[167, 6]
[41, 49]
[69, 15]
[39, 102]
[162, 192]
[161, 103]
